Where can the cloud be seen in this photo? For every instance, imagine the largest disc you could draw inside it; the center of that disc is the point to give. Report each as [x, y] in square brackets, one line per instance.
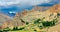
[6, 2]
[23, 2]
[54, 2]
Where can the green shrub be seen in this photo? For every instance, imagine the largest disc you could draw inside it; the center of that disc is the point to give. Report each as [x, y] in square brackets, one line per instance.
[21, 28]
[49, 23]
[46, 24]
[15, 28]
[37, 21]
[27, 23]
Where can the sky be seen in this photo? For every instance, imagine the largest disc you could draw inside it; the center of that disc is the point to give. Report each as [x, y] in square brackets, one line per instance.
[26, 2]
[12, 6]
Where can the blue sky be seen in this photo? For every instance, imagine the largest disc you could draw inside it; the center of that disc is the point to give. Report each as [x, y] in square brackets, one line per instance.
[12, 6]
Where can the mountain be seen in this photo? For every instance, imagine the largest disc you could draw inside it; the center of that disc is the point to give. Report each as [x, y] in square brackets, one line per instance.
[35, 9]
[4, 18]
[55, 8]
[29, 16]
[40, 8]
[37, 12]
[16, 20]
[15, 8]
[6, 21]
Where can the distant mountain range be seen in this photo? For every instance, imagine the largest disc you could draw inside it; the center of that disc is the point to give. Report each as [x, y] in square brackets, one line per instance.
[15, 8]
